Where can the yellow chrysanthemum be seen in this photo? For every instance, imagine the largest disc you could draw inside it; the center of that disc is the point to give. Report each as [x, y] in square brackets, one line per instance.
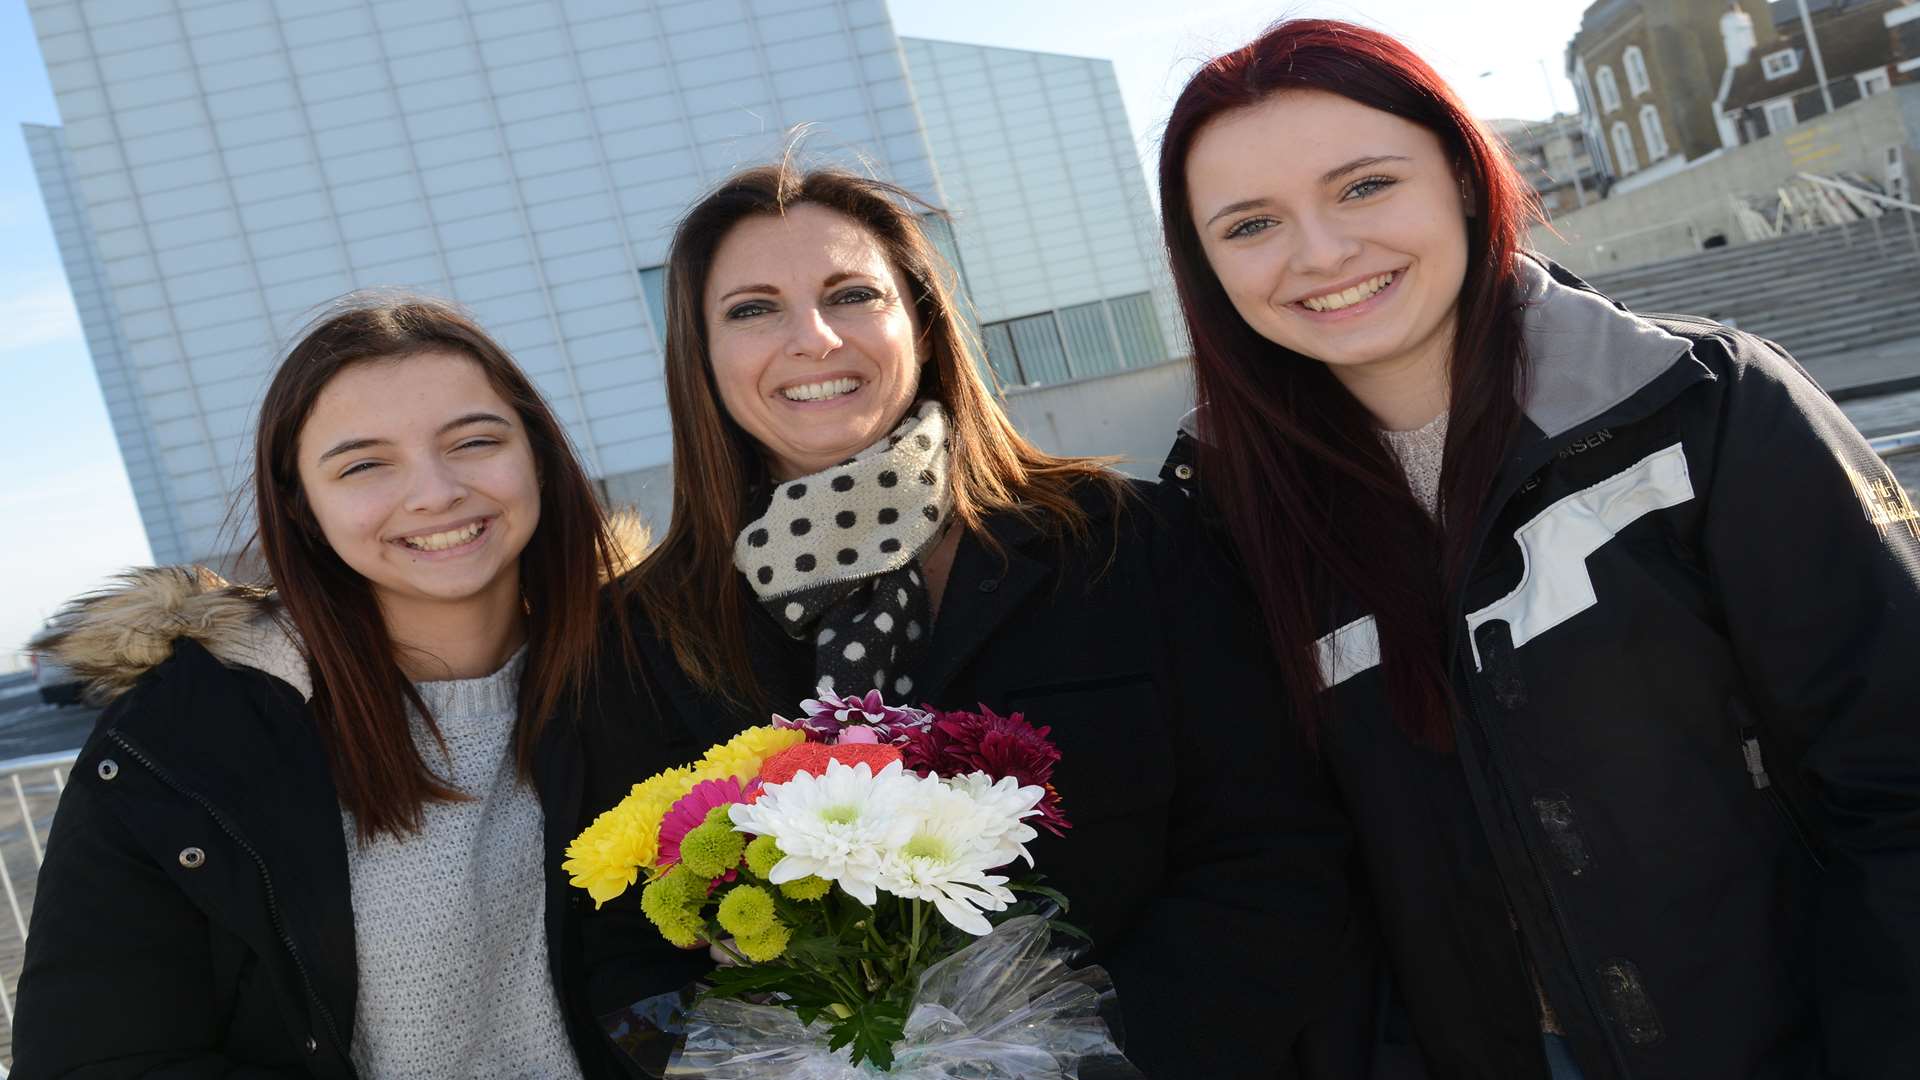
[740, 756]
[605, 858]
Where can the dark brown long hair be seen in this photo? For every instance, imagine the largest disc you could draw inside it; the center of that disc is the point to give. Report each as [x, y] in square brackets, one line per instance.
[1316, 502]
[688, 586]
[360, 694]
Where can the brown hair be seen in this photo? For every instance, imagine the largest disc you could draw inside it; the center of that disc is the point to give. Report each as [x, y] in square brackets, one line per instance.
[688, 586]
[360, 694]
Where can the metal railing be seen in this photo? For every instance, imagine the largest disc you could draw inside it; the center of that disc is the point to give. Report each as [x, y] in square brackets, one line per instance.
[1858, 195]
[37, 782]
[1887, 446]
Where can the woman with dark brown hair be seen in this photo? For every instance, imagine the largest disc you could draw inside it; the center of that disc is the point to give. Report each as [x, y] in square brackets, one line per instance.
[307, 836]
[852, 511]
[1603, 623]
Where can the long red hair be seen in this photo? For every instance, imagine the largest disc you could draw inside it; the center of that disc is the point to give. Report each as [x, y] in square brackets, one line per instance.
[1317, 504]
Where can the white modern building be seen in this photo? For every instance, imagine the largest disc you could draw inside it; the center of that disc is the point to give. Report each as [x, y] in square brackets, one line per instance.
[225, 166]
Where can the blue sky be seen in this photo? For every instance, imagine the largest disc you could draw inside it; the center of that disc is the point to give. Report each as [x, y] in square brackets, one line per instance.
[67, 518]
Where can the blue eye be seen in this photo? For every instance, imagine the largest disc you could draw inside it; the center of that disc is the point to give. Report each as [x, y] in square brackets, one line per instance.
[859, 294]
[477, 442]
[1372, 185]
[1250, 227]
[359, 467]
[749, 309]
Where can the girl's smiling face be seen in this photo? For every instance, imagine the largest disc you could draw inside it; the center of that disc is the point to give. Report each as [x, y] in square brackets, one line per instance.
[812, 336]
[1337, 230]
[421, 479]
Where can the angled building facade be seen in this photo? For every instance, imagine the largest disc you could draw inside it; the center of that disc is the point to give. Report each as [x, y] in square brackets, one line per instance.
[224, 167]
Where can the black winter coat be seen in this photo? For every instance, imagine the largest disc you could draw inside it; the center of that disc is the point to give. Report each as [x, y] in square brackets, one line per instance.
[1690, 759]
[194, 916]
[1206, 858]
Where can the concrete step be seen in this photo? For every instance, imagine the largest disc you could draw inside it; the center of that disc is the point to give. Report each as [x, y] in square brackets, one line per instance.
[1742, 276]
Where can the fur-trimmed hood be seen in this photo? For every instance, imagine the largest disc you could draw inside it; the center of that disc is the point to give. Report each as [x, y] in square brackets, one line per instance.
[111, 637]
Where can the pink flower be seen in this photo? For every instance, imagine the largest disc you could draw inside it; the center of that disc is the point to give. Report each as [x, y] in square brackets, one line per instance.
[692, 809]
[858, 733]
[957, 743]
[832, 719]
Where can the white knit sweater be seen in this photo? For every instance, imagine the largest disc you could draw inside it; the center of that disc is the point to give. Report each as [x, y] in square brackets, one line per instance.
[1421, 452]
[449, 923]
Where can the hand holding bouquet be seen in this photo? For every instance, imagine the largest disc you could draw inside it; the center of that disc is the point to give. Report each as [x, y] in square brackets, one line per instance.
[850, 860]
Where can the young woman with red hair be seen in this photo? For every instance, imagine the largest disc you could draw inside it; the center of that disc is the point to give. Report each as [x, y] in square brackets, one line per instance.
[1603, 623]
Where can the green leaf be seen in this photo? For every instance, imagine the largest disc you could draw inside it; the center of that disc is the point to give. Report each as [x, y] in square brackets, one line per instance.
[871, 1029]
[1038, 889]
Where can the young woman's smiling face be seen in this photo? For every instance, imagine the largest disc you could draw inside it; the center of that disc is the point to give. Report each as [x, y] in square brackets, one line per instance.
[1337, 230]
[421, 479]
[812, 337]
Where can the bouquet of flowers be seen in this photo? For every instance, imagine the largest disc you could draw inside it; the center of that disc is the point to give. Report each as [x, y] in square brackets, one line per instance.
[849, 864]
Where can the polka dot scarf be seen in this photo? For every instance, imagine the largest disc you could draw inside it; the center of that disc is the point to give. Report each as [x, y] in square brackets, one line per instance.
[836, 556]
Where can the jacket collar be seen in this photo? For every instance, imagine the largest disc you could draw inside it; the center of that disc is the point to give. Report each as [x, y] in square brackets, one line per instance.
[1587, 356]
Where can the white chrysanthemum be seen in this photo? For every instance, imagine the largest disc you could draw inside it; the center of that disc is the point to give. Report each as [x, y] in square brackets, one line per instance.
[834, 826]
[945, 855]
[1003, 804]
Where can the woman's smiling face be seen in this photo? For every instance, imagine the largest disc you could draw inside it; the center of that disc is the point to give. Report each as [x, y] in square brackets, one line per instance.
[812, 336]
[421, 479]
[1337, 230]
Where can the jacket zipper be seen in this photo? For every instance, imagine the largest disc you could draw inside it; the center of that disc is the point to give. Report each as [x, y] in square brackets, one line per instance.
[1757, 773]
[273, 904]
[1497, 766]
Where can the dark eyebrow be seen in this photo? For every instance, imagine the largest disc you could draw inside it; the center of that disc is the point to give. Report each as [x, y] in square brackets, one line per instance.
[832, 279]
[1234, 208]
[350, 445]
[748, 289]
[1333, 174]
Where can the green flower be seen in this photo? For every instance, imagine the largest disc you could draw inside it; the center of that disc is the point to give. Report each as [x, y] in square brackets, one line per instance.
[768, 944]
[761, 855]
[806, 888]
[683, 928]
[675, 892]
[711, 850]
[747, 910]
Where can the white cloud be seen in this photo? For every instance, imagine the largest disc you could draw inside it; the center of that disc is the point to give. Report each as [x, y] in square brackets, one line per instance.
[36, 310]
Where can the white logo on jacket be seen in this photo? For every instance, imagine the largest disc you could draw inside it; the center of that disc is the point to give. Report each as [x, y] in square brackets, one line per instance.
[1554, 547]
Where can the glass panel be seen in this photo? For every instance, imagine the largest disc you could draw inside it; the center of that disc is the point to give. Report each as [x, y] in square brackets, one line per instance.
[1138, 327]
[1090, 347]
[1036, 339]
[999, 345]
[653, 283]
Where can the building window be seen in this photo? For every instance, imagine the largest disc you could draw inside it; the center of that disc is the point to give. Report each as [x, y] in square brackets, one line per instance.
[1623, 155]
[1873, 82]
[1651, 133]
[1636, 64]
[1076, 342]
[653, 285]
[1608, 90]
[1781, 64]
[1780, 116]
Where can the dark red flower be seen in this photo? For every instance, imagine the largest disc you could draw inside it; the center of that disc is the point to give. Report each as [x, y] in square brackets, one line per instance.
[957, 743]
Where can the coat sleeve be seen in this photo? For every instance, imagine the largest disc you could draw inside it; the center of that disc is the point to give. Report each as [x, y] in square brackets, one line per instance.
[1232, 960]
[118, 979]
[634, 977]
[1814, 551]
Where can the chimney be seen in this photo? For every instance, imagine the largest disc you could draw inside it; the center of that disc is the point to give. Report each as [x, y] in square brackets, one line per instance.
[1736, 30]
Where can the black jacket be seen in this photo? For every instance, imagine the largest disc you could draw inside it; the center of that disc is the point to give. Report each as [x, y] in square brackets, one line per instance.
[194, 917]
[1690, 759]
[1206, 859]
